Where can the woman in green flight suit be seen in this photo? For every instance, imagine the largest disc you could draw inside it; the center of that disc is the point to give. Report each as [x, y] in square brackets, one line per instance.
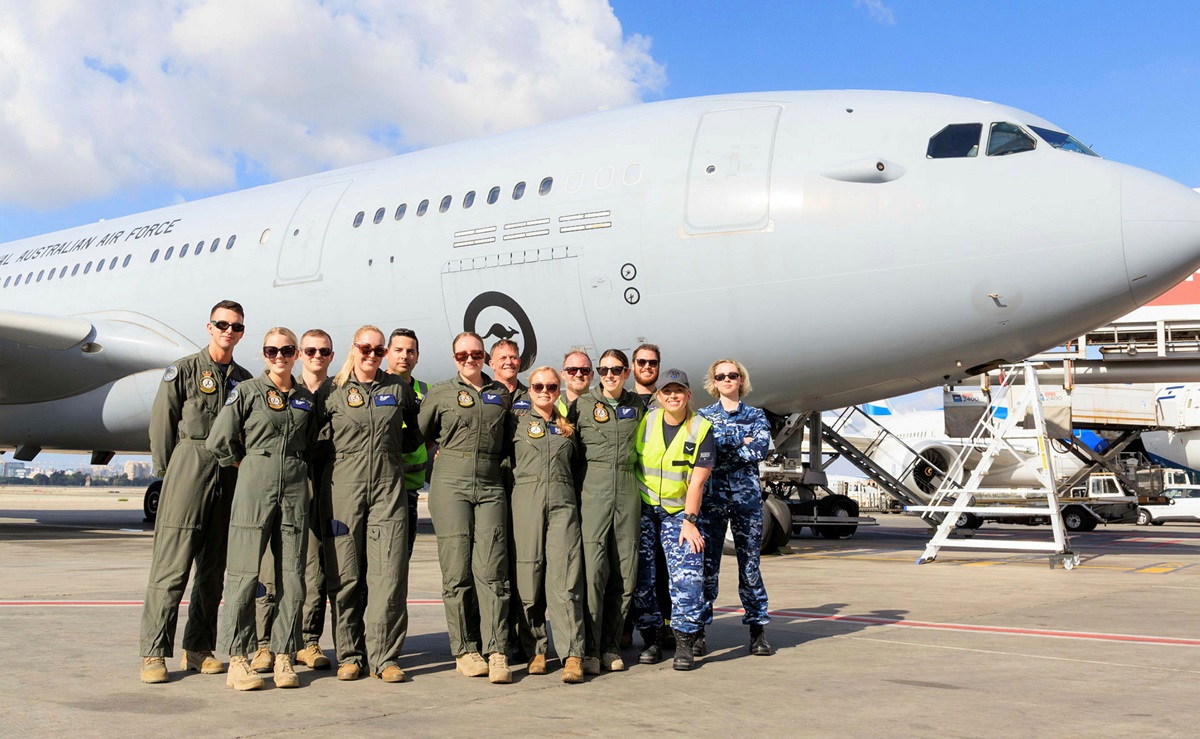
[467, 417]
[545, 519]
[371, 419]
[606, 418]
[265, 428]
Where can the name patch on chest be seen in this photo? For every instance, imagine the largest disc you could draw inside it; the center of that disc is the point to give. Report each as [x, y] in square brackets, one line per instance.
[385, 399]
[626, 412]
[492, 399]
[554, 430]
[303, 404]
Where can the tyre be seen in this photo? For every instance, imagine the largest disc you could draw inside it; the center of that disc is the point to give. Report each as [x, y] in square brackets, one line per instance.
[777, 524]
[1078, 519]
[838, 506]
[968, 521]
[150, 501]
[1143, 517]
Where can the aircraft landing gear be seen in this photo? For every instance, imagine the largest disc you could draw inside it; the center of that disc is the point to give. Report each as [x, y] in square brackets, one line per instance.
[150, 501]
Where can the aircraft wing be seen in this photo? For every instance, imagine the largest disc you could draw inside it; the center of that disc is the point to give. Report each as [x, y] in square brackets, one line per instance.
[45, 357]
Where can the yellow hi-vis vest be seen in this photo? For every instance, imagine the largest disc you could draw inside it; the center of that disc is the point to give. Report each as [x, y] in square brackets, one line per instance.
[663, 472]
[414, 462]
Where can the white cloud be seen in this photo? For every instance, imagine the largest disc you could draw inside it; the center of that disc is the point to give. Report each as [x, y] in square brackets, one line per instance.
[879, 12]
[100, 97]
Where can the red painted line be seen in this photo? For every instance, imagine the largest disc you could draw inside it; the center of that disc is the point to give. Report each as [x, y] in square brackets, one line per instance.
[130, 603]
[1009, 630]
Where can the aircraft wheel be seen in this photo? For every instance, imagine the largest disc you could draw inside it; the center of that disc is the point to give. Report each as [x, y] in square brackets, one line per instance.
[1143, 517]
[150, 501]
[777, 525]
[839, 506]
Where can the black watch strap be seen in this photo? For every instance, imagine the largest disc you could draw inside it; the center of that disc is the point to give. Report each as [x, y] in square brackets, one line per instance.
[691, 518]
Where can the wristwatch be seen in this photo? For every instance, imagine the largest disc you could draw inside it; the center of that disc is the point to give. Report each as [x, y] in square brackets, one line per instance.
[691, 518]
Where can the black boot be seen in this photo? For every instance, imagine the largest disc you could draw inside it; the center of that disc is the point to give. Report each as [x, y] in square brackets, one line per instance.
[652, 654]
[683, 651]
[699, 645]
[666, 637]
[758, 641]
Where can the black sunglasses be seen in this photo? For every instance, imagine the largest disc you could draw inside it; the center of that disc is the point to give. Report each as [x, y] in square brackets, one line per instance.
[735, 376]
[287, 352]
[237, 327]
[605, 371]
[572, 371]
[324, 351]
[368, 349]
[646, 362]
[550, 387]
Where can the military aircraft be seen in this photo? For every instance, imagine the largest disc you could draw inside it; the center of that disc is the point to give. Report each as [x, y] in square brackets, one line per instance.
[845, 245]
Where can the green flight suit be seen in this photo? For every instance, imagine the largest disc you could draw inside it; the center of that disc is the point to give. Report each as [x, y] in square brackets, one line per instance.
[549, 551]
[469, 508]
[365, 516]
[268, 432]
[610, 509]
[193, 510]
[518, 635]
[414, 474]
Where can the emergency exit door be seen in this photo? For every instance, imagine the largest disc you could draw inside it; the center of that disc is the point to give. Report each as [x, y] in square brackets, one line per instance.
[304, 240]
[729, 177]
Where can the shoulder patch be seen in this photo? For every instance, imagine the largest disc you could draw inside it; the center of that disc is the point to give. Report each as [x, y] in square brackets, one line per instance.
[232, 397]
[171, 373]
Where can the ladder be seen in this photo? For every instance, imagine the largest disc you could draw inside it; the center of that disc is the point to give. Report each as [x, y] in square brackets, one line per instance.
[993, 435]
[874, 435]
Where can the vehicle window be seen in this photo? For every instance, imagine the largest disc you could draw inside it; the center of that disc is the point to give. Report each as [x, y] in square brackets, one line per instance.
[400, 209]
[358, 218]
[424, 206]
[954, 141]
[1060, 140]
[544, 188]
[493, 195]
[445, 204]
[1009, 138]
[379, 215]
[469, 199]
[519, 191]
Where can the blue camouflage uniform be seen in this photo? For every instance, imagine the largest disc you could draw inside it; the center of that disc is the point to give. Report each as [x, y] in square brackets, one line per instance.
[733, 496]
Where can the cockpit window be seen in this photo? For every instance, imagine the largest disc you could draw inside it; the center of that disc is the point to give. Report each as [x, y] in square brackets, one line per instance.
[955, 140]
[1066, 141]
[1009, 138]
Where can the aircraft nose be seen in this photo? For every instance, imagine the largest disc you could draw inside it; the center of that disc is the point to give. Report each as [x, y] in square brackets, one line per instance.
[1161, 232]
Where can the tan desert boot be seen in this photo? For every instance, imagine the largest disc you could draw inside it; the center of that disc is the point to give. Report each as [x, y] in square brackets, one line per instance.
[154, 670]
[471, 664]
[573, 670]
[537, 665]
[314, 657]
[203, 662]
[241, 677]
[349, 671]
[285, 676]
[498, 671]
[390, 674]
[263, 660]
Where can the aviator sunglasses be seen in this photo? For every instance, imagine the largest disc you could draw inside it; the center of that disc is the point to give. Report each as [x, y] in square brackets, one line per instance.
[368, 349]
[476, 354]
[605, 371]
[572, 371]
[550, 387]
[324, 351]
[735, 376]
[237, 327]
[287, 352]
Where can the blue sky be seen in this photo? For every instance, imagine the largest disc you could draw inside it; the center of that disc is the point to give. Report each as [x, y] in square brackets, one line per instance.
[109, 110]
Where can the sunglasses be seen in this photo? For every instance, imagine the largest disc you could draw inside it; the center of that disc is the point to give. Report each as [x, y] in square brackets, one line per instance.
[368, 349]
[735, 376]
[287, 352]
[550, 387]
[646, 362]
[476, 354]
[606, 371]
[237, 327]
[310, 351]
[572, 371]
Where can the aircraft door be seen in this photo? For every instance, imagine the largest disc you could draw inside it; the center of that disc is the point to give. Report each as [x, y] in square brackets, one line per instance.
[729, 178]
[532, 297]
[300, 255]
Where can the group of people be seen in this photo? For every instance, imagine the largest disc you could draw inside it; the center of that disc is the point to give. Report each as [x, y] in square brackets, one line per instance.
[559, 503]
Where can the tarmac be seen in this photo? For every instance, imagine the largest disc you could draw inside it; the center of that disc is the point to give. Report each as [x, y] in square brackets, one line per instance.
[975, 644]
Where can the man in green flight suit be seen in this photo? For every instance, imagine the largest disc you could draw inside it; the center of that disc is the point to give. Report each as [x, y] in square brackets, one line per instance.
[404, 351]
[193, 512]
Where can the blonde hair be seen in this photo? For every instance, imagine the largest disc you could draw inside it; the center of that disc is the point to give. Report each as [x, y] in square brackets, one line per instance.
[348, 366]
[744, 386]
[565, 427]
[281, 331]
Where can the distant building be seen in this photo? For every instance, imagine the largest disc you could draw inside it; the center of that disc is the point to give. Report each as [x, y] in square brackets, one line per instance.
[13, 469]
[134, 470]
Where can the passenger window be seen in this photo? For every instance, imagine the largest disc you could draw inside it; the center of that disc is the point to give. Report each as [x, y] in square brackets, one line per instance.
[75, 269]
[231, 239]
[379, 215]
[445, 204]
[153, 258]
[18, 282]
[358, 218]
[954, 141]
[99, 265]
[400, 210]
[125, 263]
[86, 268]
[183, 250]
[519, 191]
[424, 206]
[113, 264]
[1009, 138]
[469, 199]
[215, 244]
[493, 195]
[41, 274]
[7, 280]
[170, 251]
[51, 275]
[544, 188]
